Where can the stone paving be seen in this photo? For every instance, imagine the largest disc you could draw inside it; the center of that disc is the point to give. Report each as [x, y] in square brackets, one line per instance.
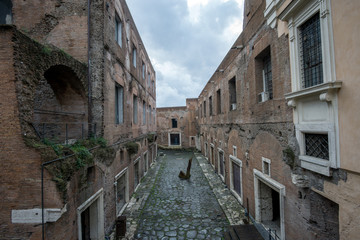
[165, 207]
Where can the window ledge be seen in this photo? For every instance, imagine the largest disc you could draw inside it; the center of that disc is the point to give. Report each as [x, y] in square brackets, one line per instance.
[317, 165]
[324, 90]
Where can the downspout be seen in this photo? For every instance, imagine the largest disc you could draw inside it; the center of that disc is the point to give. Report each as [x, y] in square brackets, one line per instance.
[90, 130]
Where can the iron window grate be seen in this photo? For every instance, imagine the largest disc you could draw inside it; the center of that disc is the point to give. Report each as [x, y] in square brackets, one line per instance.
[310, 52]
[317, 145]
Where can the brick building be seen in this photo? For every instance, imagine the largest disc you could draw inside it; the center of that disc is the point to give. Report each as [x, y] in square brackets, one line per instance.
[69, 70]
[277, 119]
[176, 126]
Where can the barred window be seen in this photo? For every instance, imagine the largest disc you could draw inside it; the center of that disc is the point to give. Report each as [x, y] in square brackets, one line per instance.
[310, 52]
[317, 145]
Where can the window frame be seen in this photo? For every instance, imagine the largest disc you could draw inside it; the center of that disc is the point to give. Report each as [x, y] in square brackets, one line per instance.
[119, 108]
[118, 24]
[237, 161]
[135, 109]
[123, 173]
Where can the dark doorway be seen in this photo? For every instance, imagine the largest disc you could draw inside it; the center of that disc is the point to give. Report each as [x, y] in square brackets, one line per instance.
[85, 224]
[175, 139]
[275, 205]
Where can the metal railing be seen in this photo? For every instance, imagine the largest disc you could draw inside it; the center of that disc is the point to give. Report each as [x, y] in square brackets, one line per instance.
[65, 133]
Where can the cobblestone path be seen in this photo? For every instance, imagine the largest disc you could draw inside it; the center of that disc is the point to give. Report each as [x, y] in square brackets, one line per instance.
[181, 209]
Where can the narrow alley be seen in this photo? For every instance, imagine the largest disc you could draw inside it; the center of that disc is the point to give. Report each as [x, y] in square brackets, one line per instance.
[165, 207]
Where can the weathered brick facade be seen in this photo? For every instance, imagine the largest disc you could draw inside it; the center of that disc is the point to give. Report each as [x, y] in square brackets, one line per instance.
[178, 123]
[45, 73]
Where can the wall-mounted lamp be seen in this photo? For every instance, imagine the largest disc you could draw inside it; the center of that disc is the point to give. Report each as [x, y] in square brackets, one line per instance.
[238, 47]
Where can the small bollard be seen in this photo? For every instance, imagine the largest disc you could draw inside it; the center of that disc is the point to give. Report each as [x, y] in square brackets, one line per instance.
[120, 226]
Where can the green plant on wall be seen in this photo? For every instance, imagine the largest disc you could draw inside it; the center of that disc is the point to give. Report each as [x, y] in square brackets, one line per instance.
[132, 148]
[80, 157]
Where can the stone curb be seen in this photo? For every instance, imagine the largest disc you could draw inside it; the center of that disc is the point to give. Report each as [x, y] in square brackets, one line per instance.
[233, 210]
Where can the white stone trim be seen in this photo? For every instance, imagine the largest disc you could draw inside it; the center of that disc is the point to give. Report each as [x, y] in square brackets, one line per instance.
[169, 139]
[117, 177]
[33, 216]
[136, 160]
[98, 197]
[259, 176]
[323, 96]
[234, 151]
[234, 159]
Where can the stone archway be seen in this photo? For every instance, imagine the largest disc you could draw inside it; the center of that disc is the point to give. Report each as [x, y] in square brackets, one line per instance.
[60, 105]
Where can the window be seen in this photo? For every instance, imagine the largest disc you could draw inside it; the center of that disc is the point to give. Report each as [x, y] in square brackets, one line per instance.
[218, 101]
[174, 123]
[149, 77]
[134, 56]
[204, 108]
[221, 164]
[136, 172]
[314, 93]
[317, 145]
[266, 165]
[263, 75]
[200, 111]
[144, 113]
[236, 177]
[143, 70]
[150, 114]
[135, 109]
[118, 30]
[5, 12]
[232, 94]
[210, 106]
[174, 139]
[153, 86]
[311, 44]
[310, 52]
[119, 104]
[122, 190]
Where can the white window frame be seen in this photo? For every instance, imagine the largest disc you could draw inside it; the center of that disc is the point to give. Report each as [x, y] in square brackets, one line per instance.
[223, 153]
[268, 161]
[265, 179]
[117, 177]
[234, 159]
[97, 198]
[296, 14]
[170, 139]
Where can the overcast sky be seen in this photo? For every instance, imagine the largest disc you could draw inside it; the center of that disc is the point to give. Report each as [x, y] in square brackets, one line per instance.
[186, 41]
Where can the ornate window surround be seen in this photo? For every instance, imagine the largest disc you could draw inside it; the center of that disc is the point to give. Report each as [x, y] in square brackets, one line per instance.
[316, 107]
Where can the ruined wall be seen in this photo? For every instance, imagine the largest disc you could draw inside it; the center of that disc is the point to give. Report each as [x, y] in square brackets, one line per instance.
[24, 63]
[54, 22]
